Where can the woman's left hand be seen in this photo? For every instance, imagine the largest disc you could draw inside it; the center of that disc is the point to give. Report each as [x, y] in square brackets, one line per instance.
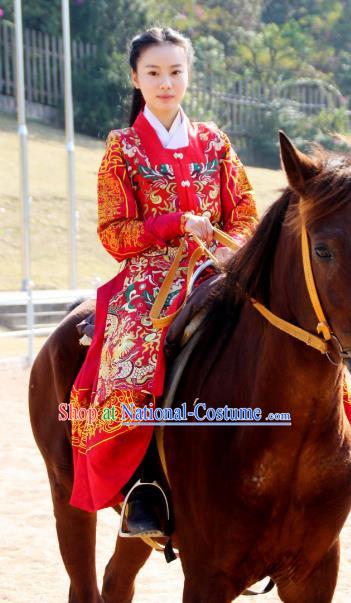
[223, 254]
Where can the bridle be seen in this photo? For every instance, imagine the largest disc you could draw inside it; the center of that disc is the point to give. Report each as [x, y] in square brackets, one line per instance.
[325, 336]
[321, 341]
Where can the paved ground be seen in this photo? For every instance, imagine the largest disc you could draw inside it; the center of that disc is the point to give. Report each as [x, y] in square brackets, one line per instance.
[30, 561]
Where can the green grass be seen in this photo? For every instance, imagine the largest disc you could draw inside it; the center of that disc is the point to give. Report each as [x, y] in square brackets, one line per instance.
[49, 209]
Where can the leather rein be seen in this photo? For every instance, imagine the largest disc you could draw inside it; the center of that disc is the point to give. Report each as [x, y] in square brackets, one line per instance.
[320, 341]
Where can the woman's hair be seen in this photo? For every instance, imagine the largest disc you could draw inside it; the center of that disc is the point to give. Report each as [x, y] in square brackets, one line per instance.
[153, 36]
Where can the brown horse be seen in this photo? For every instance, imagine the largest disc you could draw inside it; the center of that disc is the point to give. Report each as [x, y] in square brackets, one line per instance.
[249, 501]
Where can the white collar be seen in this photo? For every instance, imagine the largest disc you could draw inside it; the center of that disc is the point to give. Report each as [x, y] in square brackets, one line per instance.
[176, 136]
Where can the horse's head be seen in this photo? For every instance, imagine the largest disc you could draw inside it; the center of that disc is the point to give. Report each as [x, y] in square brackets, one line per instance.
[322, 183]
[269, 267]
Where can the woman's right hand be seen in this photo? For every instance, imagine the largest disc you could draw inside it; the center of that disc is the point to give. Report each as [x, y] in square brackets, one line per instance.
[199, 226]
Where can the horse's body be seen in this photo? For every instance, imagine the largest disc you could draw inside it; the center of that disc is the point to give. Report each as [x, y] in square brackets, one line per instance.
[253, 501]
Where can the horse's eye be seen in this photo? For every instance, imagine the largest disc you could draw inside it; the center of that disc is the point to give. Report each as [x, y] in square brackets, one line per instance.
[323, 252]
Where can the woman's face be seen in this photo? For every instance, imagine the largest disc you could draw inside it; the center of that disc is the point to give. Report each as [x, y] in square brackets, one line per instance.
[162, 76]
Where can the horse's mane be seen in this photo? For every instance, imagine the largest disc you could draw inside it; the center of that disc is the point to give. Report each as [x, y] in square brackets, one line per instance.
[248, 273]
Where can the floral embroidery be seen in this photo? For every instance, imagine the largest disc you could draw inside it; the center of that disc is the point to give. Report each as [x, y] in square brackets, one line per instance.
[86, 434]
[156, 174]
[131, 342]
[132, 191]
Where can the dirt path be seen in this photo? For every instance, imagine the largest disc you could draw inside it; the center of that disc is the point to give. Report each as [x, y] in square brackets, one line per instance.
[32, 570]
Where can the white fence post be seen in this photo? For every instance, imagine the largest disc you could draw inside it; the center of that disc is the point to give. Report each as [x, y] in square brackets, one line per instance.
[23, 135]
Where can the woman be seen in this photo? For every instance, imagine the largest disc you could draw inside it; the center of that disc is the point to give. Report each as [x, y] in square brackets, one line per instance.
[161, 178]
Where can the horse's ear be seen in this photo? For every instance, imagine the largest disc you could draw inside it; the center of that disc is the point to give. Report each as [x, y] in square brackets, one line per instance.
[298, 167]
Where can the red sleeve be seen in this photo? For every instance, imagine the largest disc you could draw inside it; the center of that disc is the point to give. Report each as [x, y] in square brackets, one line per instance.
[239, 214]
[121, 228]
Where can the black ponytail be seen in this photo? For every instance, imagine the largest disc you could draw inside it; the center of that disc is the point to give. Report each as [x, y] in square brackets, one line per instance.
[153, 36]
[137, 105]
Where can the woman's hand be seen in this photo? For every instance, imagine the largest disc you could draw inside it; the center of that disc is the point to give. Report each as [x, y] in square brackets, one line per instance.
[199, 226]
[223, 254]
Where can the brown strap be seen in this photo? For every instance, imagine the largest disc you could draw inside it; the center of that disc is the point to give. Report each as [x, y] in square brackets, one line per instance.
[308, 338]
[161, 322]
[322, 326]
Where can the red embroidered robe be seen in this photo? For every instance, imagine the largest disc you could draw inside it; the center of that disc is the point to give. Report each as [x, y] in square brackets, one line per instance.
[144, 191]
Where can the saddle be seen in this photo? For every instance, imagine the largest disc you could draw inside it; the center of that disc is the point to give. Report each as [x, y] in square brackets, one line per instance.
[188, 321]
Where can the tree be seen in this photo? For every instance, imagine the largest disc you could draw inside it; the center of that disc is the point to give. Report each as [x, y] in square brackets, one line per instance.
[102, 93]
[275, 53]
[40, 15]
[280, 11]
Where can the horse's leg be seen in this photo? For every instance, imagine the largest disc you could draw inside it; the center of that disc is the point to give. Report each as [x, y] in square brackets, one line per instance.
[128, 558]
[76, 531]
[53, 373]
[319, 586]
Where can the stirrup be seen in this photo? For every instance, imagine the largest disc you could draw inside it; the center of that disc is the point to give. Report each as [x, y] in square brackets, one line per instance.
[198, 272]
[124, 521]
